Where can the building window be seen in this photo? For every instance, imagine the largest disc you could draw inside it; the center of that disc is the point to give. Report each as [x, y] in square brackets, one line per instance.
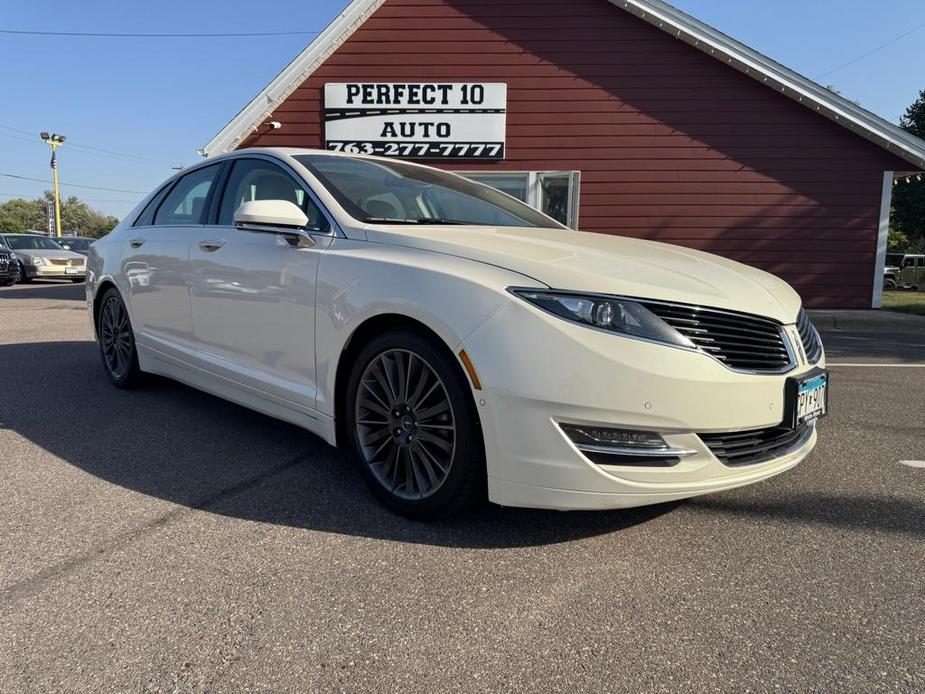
[552, 192]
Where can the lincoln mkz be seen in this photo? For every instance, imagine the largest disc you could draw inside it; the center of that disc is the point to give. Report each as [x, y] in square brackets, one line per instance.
[458, 342]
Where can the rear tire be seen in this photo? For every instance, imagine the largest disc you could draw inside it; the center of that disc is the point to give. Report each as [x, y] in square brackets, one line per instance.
[117, 342]
[412, 426]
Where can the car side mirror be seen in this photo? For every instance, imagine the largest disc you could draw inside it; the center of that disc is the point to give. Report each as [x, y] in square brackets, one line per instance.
[273, 217]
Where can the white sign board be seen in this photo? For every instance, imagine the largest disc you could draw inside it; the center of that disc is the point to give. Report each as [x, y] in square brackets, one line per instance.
[416, 120]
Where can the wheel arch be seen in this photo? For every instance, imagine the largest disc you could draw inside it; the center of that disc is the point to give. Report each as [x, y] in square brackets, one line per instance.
[361, 336]
[101, 290]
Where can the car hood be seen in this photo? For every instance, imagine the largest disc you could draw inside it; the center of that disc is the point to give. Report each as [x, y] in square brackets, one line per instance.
[591, 262]
[50, 253]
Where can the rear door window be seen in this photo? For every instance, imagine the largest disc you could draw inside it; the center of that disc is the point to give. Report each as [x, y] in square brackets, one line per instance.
[186, 203]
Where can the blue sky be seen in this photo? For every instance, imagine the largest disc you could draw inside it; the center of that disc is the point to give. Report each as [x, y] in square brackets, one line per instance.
[158, 100]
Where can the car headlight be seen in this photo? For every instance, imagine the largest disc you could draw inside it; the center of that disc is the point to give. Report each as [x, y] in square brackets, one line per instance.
[36, 260]
[613, 314]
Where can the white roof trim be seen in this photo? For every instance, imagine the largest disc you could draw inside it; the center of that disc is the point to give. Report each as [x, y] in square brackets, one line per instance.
[657, 13]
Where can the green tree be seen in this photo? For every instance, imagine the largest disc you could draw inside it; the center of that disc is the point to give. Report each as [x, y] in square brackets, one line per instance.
[20, 215]
[77, 217]
[908, 214]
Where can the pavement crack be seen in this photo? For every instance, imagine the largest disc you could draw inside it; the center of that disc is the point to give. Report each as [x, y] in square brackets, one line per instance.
[37, 581]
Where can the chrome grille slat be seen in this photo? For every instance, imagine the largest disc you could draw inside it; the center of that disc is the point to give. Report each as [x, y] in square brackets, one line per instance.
[738, 340]
[812, 345]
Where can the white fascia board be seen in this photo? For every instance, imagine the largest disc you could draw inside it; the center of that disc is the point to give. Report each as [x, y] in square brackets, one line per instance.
[802, 89]
[261, 106]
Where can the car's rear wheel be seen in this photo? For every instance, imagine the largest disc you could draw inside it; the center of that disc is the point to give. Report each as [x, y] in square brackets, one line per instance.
[117, 341]
[413, 428]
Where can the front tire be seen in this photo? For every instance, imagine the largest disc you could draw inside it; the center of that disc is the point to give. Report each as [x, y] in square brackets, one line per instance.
[412, 426]
[23, 277]
[117, 342]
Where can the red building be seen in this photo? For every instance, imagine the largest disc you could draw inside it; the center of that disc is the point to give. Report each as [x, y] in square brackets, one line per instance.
[625, 117]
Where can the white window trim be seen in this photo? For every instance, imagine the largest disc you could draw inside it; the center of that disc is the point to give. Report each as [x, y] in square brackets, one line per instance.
[535, 189]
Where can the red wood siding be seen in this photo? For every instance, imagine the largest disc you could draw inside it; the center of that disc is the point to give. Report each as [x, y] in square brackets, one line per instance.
[671, 143]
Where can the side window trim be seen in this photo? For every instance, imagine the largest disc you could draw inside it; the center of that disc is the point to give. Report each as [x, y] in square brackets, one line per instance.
[333, 227]
[205, 206]
[150, 209]
[215, 201]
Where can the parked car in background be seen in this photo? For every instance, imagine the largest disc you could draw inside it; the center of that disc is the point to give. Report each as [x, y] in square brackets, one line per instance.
[41, 258]
[78, 244]
[9, 265]
[912, 271]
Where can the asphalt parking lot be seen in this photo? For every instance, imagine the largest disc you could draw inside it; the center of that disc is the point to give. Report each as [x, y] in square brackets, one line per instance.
[166, 540]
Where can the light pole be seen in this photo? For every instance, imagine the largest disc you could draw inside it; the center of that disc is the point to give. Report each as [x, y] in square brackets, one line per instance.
[53, 141]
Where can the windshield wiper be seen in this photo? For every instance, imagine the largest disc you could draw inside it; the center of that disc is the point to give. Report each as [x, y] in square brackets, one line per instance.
[422, 220]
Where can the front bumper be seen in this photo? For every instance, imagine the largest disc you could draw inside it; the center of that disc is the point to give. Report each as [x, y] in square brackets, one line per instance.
[555, 371]
[55, 272]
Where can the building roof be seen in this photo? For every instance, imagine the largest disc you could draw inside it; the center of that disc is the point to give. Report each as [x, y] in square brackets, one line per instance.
[657, 13]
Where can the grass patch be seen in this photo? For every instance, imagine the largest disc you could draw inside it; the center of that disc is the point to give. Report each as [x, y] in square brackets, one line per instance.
[906, 302]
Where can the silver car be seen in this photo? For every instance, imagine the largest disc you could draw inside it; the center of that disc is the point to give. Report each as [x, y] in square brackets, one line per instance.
[41, 258]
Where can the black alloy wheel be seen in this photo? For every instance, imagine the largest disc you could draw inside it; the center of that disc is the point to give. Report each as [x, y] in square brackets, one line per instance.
[413, 427]
[117, 342]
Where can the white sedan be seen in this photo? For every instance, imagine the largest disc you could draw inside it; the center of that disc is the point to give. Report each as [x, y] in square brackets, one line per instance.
[455, 340]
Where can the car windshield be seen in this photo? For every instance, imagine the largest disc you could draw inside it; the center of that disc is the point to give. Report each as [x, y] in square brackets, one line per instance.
[28, 243]
[395, 192]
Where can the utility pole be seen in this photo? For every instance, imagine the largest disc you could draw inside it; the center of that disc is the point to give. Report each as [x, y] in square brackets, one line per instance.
[53, 141]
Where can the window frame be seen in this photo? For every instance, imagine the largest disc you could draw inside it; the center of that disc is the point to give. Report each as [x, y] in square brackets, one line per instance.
[215, 208]
[535, 187]
[207, 205]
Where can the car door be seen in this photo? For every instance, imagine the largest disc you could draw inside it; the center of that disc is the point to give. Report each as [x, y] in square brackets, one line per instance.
[253, 294]
[155, 262]
[908, 272]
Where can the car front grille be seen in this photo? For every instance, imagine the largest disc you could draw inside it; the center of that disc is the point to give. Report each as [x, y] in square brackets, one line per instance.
[738, 340]
[755, 446]
[66, 261]
[812, 345]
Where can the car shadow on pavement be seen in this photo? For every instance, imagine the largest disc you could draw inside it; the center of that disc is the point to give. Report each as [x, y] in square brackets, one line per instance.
[48, 289]
[178, 444]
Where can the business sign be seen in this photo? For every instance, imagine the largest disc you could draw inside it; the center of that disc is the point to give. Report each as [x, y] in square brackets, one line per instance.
[416, 120]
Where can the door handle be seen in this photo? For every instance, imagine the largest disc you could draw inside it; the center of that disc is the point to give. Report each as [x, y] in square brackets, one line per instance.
[135, 243]
[211, 245]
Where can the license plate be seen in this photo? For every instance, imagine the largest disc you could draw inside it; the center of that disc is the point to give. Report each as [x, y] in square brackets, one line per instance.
[807, 397]
[70, 270]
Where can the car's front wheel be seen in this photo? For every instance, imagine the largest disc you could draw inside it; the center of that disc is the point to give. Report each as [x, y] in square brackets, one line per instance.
[23, 277]
[413, 428]
[117, 341]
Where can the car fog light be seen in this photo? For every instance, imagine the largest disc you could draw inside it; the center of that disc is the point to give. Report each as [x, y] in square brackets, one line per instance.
[605, 436]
